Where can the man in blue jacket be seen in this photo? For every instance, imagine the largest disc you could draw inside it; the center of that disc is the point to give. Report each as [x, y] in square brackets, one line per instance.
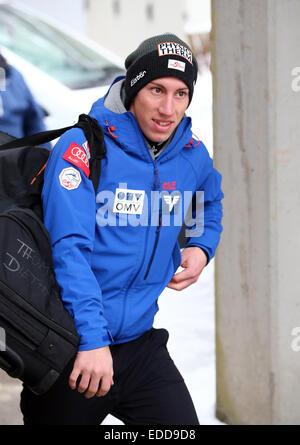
[20, 115]
[114, 255]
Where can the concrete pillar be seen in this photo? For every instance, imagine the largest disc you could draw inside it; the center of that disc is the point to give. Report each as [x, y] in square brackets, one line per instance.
[256, 148]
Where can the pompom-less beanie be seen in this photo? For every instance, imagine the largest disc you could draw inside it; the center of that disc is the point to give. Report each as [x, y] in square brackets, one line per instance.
[159, 56]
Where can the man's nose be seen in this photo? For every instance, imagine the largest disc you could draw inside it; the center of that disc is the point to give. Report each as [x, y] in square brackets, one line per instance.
[166, 106]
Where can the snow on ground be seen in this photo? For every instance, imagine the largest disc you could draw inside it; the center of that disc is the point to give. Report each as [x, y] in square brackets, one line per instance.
[189, 316]
[200, 110]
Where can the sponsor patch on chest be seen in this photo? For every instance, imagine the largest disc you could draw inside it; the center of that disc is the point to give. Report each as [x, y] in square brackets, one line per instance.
[76, 155]
[129, 201]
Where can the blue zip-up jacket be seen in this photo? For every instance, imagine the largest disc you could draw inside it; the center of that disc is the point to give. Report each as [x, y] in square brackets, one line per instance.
[115, 253]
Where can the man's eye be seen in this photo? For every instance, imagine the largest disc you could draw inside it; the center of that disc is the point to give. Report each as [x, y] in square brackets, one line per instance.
[156, 90]
[182, 93]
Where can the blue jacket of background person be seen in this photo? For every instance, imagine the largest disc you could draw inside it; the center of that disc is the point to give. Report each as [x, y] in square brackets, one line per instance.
[20, 115]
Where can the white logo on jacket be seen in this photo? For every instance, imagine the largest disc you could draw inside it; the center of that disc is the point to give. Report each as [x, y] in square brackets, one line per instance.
[171, 201]
[87, 149]
[129, 201]
[70, 178]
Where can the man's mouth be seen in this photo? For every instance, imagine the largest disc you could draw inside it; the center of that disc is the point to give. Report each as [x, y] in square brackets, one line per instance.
[163, 124]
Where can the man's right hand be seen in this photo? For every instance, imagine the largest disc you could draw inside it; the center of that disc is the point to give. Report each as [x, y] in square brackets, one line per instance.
[95, 368]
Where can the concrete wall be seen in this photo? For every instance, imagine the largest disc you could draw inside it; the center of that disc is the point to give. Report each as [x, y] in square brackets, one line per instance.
[256, 147]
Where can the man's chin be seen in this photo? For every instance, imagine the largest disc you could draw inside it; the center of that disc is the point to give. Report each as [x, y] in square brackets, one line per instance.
[159, 138]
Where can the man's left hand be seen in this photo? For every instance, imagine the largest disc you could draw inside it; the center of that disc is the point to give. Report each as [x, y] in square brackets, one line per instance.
[193, 261]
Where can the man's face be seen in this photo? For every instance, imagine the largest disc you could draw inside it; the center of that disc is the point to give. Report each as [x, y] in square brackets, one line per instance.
[160, 106]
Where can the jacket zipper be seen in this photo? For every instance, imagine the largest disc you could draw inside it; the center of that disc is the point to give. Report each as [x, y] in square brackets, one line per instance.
[156, 183]
[157, 232]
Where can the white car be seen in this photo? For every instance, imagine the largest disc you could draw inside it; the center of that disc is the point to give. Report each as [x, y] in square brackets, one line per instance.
[65, 72]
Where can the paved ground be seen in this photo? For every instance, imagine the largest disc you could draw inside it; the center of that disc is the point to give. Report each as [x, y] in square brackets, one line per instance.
[10, 389]
[10, 413]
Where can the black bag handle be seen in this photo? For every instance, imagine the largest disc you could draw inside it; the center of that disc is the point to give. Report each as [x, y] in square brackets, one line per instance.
[11, 362]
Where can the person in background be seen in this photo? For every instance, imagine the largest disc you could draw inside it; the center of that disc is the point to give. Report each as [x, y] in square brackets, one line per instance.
[20, 115]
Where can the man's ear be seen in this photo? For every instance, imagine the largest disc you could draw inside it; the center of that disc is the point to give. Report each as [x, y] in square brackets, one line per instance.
[131, 106]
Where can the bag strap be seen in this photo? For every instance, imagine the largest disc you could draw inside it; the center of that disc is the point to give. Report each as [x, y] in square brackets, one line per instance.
[95, 137]
[36, 139]
[93, 133]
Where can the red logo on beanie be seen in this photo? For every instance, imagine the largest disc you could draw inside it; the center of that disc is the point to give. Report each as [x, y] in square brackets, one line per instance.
[176, 65]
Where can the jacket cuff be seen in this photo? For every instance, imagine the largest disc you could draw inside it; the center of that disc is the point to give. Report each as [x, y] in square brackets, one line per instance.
[207, 256]
[96, 342]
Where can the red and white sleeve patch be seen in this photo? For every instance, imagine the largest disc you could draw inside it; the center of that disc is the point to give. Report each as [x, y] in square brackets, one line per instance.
[77, 156]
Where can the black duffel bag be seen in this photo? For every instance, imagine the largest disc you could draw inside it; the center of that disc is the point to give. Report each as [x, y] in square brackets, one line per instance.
[38, 336]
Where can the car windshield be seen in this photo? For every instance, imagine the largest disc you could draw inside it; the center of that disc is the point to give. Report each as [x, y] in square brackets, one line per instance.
[54, 52]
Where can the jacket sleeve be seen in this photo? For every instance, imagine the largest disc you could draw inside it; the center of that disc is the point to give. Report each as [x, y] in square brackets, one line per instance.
[69, 207]
[205, 228]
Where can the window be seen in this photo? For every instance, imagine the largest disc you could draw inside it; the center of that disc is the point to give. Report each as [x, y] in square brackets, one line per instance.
[116, 7]
[54, 52]
[150, 12]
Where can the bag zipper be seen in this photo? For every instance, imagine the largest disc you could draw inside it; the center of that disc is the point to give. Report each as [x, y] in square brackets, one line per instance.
[18, 333]
[19, 301]
[23, 325]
